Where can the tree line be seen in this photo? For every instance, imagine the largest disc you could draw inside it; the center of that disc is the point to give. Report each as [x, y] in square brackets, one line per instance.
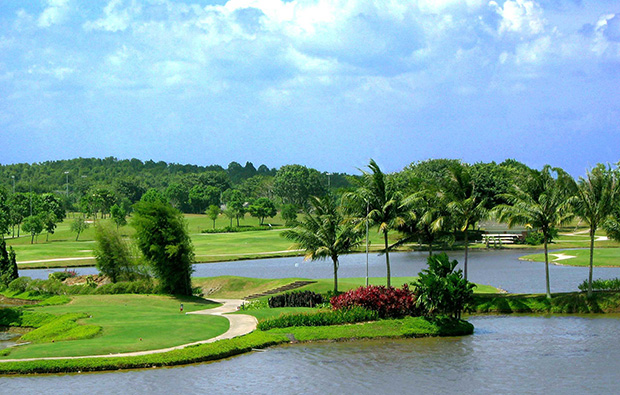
[440, 201]
[431, 202]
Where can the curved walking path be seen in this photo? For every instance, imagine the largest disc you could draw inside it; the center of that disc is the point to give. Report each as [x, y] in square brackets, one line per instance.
[240, 324]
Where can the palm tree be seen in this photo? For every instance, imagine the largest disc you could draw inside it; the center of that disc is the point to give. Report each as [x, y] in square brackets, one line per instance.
[323, 233]
[542, 204]
[425, 218]
[378, 203]
[465, 207]
[594, 203]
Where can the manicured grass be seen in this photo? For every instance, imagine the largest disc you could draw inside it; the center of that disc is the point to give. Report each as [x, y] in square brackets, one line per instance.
[234, 287]
[409, 327]
[603, 257]
[565, 303]
[200, 353]
[125, 319]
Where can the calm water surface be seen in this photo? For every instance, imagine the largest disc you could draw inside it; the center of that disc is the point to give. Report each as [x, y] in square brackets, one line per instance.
[506, 355]
[500, 268]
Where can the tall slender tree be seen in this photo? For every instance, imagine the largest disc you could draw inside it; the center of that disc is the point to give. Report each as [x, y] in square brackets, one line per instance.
[542, 203]
[161, 234]
[378, 202]
[594, 202]
[323, 233]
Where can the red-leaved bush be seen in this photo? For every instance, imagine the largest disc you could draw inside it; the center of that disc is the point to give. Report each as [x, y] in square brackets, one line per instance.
[387, 302]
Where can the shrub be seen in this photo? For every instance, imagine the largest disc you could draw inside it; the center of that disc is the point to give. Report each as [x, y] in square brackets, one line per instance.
[237, 229]
[127, 287]
[388, 302]
[601, 285]
[534, 238]
[62, 276]
[296, 299]
[20, 284]
[442, 290]
[321, 318]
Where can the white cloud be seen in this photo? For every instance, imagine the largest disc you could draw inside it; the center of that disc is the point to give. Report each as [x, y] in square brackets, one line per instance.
[521, 17]
[56, 13]
[117, 17]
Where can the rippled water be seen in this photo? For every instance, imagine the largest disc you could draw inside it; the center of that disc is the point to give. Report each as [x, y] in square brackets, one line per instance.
[506, 355]
[500, 268]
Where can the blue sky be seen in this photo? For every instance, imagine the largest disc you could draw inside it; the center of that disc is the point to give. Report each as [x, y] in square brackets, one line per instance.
[324, 83]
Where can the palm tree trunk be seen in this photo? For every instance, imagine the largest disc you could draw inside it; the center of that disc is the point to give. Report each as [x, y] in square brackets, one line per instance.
[387, 259]
[335, 260]
[592, 230]
[466, 251]
[547, 269]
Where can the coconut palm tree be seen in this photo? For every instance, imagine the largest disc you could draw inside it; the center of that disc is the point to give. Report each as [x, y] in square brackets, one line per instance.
[377, 202]
[323, 233]
[541, 203]
[465, 207]
[426, 218]
[594, 203]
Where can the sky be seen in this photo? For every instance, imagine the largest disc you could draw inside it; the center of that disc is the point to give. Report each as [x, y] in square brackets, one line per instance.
[328, 84]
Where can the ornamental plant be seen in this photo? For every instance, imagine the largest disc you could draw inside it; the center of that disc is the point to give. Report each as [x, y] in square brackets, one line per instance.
[388, 302]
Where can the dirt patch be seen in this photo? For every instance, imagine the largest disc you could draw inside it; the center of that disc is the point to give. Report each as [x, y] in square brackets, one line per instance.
[10, 302]
[81, 280]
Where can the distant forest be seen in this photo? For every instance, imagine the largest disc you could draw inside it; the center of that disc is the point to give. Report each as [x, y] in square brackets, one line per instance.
[190, 188]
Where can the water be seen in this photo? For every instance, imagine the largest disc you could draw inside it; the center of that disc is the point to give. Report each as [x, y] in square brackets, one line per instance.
[500, 268]
[506, 354]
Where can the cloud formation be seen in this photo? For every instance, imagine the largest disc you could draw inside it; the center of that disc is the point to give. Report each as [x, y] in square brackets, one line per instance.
[252, 66]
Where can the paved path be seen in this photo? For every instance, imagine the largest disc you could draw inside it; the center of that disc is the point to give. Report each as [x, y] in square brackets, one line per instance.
[240, 324]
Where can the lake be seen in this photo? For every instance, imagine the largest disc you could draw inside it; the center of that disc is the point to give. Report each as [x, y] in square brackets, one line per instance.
[505, 355]
[500, 268]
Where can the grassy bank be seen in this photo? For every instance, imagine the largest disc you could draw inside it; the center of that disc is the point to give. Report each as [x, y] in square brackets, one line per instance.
[235, 287]
[563, 303]
[194, 354]
[127, 323]
[603, 257]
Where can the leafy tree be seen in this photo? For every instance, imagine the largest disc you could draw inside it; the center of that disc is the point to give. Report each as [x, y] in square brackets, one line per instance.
[441, 290]
[213, 212]
[8, 263]
[235, 201]
[130, 188]
[20, 208]
[257, 186]
[201, 197]
[324, 234]
[594, 203]
[262, 208]
[119, 215]
[161, 235]
[49, 223]
[78, 225]
[34, 225]
[152, 196]
[178, 195]
[377, 201]
[5, 213]
[294, 184]
[541, 203]
[113, 256]
[289, 214]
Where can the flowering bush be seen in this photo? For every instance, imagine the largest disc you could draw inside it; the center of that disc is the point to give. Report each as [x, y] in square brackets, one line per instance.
[388, 302]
